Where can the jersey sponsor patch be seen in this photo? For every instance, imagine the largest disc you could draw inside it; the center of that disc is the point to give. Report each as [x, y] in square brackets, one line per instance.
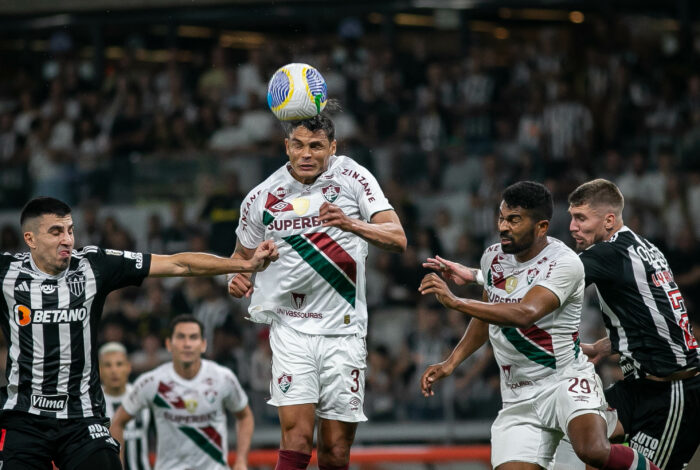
[49, 402]
[23, 315]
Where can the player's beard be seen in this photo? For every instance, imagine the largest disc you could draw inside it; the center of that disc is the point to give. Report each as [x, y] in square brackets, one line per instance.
[517, 246]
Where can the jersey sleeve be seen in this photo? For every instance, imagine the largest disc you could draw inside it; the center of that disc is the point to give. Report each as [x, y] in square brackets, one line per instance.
[369, 194]
[235, 399]
[117, 268]
[139, 396]
[563, 277]
[599, 263]
[251, 228]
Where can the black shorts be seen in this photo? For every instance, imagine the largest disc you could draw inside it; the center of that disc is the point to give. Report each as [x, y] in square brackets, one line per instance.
[28, 441]
[660, 418]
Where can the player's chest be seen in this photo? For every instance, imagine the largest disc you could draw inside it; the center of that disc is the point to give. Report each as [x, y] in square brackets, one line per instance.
[189, 402]
[289, 211]
[509, 282]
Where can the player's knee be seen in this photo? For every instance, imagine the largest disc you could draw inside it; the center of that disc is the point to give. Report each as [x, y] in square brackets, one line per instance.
[593, 451]
[336, 455]
[297, 439]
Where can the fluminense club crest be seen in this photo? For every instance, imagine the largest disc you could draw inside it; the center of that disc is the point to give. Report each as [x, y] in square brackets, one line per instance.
[298, 300]
[331, 192]
[284, 382]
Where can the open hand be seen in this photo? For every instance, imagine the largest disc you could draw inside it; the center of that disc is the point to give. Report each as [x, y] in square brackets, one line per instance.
[455, 272]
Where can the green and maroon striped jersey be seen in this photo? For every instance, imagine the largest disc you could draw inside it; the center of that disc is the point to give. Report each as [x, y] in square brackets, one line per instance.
[318, 284]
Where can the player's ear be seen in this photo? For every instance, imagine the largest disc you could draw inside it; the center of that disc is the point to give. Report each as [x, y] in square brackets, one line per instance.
[333, 146]
[29, 239]
[204, 346]
[609, 221]
[168, 345]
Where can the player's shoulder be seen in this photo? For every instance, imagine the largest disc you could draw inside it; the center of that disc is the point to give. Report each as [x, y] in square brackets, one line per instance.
[618, 243]
[92, 251]
[145, 382]
[6, 258]
[492, 251]
[270, 184]
[216, 369]
[345, 168]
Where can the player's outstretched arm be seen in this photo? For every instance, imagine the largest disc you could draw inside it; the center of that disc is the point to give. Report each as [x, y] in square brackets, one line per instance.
[474, 337]
[455, 272]
[245, 424]
[383, 230]
[116, 429]
[204, 264]
[538, 302]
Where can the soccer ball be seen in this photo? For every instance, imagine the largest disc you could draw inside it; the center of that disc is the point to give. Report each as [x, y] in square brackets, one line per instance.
[296, 92]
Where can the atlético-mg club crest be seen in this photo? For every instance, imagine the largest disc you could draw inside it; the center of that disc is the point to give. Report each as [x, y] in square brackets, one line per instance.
[331, 192]
[284, 382]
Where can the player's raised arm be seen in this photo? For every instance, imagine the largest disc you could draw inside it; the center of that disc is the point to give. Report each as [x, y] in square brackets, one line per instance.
[538, 302]
[204, 264]
[116, 429]
[383, 230]
[240, 284]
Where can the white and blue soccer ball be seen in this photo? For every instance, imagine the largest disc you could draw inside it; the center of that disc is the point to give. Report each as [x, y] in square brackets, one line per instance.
[296, 92]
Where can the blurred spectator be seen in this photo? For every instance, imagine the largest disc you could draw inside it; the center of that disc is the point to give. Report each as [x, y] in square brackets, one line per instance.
[9, 239]
[220, 213]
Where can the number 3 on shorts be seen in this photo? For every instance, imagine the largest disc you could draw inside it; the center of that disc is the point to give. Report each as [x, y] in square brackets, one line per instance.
[355, 374]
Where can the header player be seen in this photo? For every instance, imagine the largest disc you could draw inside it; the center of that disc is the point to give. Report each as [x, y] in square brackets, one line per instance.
[322, 209]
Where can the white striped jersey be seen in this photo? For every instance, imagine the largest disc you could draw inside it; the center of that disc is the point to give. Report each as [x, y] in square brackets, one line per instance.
[189, 415]
[135, 433]
[552, 343]
[643, 309]
[318, 284]
[51, 323]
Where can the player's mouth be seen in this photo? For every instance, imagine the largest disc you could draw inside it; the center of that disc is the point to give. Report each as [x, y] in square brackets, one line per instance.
[306, 167]
[64, 253]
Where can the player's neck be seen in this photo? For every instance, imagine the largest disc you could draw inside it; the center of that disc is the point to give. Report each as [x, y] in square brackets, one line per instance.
[614, 230]
[533, 251]
[187, 370]
[115, 391]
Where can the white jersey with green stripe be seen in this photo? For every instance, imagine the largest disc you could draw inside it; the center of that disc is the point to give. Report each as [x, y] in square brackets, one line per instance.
[318, 284]
[189, 415]
[527, 356]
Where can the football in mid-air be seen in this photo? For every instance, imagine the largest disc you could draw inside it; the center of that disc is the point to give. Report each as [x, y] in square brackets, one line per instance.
[296, 92]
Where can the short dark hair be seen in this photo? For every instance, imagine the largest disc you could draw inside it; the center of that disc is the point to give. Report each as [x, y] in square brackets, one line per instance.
[43, 205]
[532, 196]
[596, 193]
[320, 122]
[185, 318]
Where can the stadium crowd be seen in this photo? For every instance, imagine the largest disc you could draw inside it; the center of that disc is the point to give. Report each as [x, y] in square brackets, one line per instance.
[444, 133]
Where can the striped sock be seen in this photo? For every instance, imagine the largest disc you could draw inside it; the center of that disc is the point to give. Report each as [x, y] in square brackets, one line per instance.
[623, 458]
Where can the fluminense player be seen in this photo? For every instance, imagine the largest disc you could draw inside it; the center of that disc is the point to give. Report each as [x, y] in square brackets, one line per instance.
[533, 296]
[189, 398]
[322, 210]
[53, 408]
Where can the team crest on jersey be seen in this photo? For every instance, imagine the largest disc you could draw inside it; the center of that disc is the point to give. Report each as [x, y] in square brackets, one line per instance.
[532, 274]
[511, 284]
[210, 395]
[301, 205]
[284, 382]
[76, 283]
[331, 192]
[298, 300]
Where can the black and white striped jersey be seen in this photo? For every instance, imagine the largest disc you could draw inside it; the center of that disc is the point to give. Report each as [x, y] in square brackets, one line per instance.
[135, 433]
[50, 324]
[643, 308]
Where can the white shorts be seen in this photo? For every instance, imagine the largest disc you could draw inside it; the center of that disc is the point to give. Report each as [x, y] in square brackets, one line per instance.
[326, 370]
[530, 430]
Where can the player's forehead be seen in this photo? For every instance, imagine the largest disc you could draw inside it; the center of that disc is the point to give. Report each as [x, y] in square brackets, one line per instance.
[187, 328]
[49, 221]
[305, 135]
[581, 209]
[113, 357]
[505, 210]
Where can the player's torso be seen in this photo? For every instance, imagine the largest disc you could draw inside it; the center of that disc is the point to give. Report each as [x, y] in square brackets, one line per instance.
[317, 285]
[528, 354]
[644, 309]
[190, 419]
[49, 324]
